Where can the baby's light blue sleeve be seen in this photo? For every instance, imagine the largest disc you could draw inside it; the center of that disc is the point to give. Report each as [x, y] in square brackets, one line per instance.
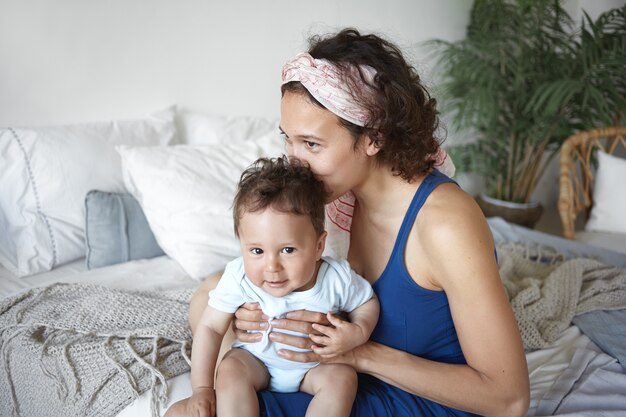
[228, 295]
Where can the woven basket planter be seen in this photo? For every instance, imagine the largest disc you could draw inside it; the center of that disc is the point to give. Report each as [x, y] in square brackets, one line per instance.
[524, 214]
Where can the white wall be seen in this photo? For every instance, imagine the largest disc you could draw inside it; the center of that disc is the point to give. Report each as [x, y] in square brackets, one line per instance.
[67, 61]
[593, 7]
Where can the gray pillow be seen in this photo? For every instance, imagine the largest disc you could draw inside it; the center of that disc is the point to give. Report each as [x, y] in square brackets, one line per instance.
[116, 230]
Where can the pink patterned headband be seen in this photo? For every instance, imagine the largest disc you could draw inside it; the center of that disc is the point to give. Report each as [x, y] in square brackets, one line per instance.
[327, 83]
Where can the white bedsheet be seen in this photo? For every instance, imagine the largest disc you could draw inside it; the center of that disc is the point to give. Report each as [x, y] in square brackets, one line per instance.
[157, 273]
[573, 377]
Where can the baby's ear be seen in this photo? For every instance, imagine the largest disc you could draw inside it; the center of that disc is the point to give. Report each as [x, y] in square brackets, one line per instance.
[321, 244]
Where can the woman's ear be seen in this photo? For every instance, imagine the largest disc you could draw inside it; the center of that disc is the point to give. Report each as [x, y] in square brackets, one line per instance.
[373, 145]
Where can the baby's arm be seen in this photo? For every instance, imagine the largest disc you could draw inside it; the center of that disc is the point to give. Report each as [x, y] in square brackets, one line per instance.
[206, 345]
[346, 335]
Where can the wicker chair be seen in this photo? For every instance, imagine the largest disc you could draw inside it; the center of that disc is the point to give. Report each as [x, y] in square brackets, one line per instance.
[577, 171]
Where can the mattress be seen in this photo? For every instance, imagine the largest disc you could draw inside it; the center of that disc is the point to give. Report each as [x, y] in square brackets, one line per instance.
[611, 241]
[504, 231]
[156, 273]
[573, 374]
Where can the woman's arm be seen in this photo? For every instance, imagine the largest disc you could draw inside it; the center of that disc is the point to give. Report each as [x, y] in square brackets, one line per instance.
[458, 249]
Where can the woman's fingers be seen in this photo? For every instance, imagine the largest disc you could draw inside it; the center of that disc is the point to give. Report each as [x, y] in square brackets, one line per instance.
[294, 325]
[250, 325]
[250, 312]
[324, 351]
[298, 356]
[295, 341]
[246, 337]
[249, 317]
[309, 316]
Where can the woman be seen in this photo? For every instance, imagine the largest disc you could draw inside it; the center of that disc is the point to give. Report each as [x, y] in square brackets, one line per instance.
[446, 342]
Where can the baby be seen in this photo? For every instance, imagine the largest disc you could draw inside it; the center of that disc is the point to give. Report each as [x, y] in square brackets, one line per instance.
[279, 220]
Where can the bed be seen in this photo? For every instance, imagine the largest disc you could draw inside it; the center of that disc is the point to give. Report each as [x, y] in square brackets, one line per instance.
[169, 236]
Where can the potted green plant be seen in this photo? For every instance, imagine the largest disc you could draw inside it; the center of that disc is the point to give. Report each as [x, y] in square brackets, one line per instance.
[521, 82]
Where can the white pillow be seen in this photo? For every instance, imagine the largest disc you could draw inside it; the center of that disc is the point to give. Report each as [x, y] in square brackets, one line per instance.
[609, 195]
[186, 193]
[204, 129]
[46, 172]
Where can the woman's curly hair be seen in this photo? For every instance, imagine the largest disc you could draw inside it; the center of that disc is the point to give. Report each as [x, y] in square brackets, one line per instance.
[404, 115]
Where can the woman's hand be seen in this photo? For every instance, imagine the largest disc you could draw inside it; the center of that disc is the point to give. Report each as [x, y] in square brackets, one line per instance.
[350, 358]
[298, 321]
[249, 317]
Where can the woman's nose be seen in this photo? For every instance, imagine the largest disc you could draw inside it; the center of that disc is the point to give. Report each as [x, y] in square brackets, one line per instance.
[294, 152]
[291, 152]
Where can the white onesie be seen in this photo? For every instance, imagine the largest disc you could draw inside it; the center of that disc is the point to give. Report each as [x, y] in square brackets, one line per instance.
[338, 288]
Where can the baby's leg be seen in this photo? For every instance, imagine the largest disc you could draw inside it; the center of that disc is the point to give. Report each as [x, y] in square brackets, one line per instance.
[239, 377]
[333, 387]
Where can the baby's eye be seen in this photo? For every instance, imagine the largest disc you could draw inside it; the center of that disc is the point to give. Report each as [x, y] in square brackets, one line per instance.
[256, 251]
[289, 250]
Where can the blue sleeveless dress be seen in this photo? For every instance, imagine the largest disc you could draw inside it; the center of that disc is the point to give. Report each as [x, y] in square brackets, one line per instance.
[412, 319]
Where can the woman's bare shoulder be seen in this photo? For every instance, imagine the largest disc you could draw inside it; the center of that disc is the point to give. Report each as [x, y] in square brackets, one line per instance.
[450, 200]
[454, 238]
[450, 213]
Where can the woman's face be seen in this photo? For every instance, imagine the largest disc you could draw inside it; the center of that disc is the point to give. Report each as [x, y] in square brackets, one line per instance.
[315, 136]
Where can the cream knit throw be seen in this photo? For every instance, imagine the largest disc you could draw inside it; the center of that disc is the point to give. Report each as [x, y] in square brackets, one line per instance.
[86, 350]
[546, 295]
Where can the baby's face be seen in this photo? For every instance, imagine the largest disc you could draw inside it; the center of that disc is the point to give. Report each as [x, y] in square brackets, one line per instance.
[280, 251]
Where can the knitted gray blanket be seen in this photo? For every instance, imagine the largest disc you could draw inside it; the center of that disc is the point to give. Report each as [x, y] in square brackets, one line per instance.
[86, 350]
[546, 290]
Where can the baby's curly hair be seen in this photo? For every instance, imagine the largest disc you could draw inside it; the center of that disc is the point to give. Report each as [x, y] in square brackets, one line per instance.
[404, 115]
[288, 187]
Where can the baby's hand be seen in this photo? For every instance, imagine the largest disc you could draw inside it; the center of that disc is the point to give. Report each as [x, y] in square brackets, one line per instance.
[344, 337]
[201, 403]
